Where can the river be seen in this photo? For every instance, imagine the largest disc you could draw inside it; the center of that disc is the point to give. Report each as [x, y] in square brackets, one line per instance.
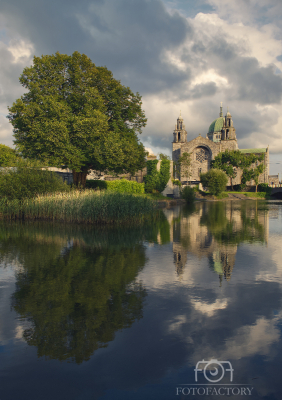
[185, 307]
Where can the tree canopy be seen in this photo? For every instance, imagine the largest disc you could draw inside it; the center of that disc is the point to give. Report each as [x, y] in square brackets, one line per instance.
[8, 156]
[182, 166]
[230, 161]
[77, 115]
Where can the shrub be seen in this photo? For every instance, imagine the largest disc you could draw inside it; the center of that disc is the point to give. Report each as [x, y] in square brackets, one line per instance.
[240, 188]
[8, 156]
[188, 194]
[27, 179]
[125, 186]
[215, 180]
[263, 187]
[120, 186]
[176, 182]
[157, 180]
[164, 175]
[95, 184]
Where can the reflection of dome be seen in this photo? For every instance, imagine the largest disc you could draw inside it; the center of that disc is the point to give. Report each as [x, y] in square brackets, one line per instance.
[216, 125]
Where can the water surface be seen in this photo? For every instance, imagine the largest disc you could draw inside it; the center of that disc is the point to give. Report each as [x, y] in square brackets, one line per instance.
[127, 313]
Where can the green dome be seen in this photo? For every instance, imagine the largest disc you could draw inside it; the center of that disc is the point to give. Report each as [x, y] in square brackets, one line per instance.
[216, 125]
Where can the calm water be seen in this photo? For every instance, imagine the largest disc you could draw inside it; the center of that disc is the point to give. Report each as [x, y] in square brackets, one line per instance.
[126, 314]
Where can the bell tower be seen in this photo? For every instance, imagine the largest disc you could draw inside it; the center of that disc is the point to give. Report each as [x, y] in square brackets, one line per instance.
[179, 133]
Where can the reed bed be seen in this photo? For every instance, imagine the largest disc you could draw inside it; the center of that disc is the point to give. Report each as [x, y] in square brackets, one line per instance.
[81, 207]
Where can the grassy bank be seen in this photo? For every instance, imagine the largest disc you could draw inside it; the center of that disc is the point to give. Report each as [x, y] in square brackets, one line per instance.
[82, 207]
[255, 195]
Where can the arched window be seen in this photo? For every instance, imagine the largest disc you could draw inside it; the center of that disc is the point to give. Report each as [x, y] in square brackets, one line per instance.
[202, 155]
[179, 136]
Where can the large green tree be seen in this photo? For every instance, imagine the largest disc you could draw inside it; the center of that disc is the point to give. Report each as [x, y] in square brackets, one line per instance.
[230, 161]
[8, 156]
[77, 115]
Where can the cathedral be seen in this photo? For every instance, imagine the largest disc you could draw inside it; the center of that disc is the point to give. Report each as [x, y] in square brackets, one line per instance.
[221, 136]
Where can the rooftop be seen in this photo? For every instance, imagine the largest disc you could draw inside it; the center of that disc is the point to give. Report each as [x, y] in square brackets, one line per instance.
[264, 150]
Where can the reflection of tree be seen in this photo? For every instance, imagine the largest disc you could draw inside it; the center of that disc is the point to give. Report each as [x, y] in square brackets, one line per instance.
[75, 296]
[228, 226]
[214, 230]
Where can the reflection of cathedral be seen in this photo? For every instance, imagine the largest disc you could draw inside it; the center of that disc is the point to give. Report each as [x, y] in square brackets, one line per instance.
[220, 137]
[214, 231]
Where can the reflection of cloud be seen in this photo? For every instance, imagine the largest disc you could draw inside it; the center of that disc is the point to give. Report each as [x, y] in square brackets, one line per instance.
[252, 340]
[248, 340]
[19, 332]
[209, 308]
[272, 271]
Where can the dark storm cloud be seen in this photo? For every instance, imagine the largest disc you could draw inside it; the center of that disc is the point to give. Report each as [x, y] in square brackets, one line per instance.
[130, 38]
[250, 81]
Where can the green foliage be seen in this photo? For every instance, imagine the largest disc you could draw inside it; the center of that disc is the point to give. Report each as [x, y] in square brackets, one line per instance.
[26, 179]
[119, 185]
[230, 161]
[263, 187]
[176, 182]
[125, 186]
[157, 180]
[182, 166]
[252, 174]
[164, 156]
[76, 114]
[95, 184]
[76, 206]
[164, 174]
[188, 194]
[240, 188]
[8, 156]
[215, 180]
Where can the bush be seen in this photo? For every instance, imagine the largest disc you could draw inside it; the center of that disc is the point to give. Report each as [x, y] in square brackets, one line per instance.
[263, 187]
[125, 186]
[8, 156]
[157, 180]
[240, 188]
[120, 186]
[95, 184]
[27, 179]
[215, 180]
[176, 182]
[188, 194]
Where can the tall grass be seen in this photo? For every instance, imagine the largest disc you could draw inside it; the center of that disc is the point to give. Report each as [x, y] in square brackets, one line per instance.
[87, 207]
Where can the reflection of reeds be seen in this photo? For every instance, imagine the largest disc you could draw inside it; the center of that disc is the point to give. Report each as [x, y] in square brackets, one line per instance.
[87, 206]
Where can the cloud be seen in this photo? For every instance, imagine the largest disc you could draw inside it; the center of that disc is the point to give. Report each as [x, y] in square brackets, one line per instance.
[178, 54]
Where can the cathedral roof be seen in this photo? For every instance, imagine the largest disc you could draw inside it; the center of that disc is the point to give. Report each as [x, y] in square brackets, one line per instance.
[216, 125]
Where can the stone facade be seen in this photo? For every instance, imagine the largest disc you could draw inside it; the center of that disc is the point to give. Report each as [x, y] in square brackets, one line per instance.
[273, 180]
[220, 137]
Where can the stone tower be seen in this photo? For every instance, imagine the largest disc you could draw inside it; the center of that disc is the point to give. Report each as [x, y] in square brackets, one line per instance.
[179, 137]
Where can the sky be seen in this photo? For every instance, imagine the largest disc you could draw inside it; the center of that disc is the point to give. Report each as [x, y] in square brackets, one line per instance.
[178, 54]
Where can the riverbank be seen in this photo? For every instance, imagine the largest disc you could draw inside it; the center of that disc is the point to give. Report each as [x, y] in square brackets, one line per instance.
[232, 196]
[94, 207]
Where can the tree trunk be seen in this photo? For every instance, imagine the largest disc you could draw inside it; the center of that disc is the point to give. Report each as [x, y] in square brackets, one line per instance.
[79, 178]
[231, 184]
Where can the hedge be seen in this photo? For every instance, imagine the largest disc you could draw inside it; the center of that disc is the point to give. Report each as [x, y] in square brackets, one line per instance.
[120, 186]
